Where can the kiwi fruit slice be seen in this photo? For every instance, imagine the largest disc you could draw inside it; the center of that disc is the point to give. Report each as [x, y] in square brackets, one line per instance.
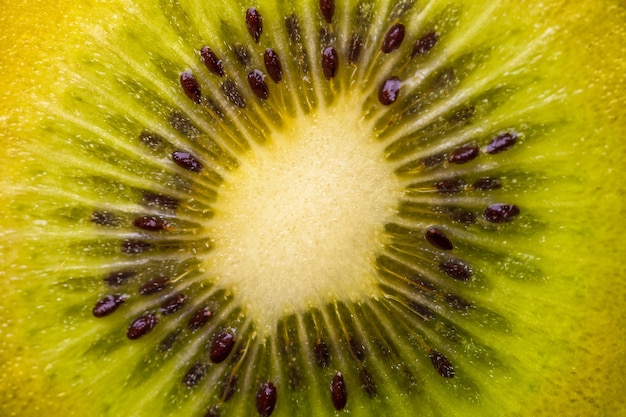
[312, 208]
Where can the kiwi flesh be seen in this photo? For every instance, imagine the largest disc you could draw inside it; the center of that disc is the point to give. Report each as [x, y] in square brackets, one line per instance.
[312, 208]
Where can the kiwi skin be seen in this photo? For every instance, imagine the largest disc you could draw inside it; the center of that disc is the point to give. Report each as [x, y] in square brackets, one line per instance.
[587, 380]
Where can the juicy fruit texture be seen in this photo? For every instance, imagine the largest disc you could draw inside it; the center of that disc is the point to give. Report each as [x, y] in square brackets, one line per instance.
[451, 195]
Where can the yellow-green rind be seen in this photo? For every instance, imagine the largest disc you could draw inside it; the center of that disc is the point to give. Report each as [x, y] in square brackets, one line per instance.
[582, 368]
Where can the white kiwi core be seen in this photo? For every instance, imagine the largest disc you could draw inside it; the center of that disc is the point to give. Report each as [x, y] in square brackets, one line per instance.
[299, 223]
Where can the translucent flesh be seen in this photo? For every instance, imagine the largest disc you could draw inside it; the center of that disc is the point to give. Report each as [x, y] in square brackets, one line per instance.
[555, 277]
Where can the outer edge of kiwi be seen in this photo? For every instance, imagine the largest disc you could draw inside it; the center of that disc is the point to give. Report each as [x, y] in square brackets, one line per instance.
[596, 34]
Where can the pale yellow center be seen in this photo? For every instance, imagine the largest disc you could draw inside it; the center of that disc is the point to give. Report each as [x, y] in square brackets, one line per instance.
[300, 222]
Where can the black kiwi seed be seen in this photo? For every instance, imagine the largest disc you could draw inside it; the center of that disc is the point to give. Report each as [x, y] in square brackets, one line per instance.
[338, 391]
[221, 347]
[141, 326]
[232, 93]
[425, 44]
[441, 364]
[487, 184]
[438, 239]
[456, 269]
[117, 278]
[108, 304]
[212, 61]
[187, 161]
[266, 399]
[464, 154]
[199, 318]
[354, 52]
[389, 90]
[152, 140]
[273, 65]
[228, 387]
[152, 223]
[160, 200]
[154, 285]
[134, 246]
[330, 62]
[501, 143]
[322, 355]
[327, 7]
[451, 186]
[254, 22]
[367, 383]
[191, 87]
[500, 213]
[195, 374]
[173, 304]
[393, 38]
[104, 218]
[256, 79]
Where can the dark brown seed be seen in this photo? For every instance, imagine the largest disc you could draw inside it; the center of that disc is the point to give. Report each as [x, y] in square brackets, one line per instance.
[322, 355]
[441, 364]
[425, 44]
[462, 216]
[256, 79]
[104, 218]
[295, 379]
[142, 326]
[464, 154]
[266, 399]
[154, 286]
[423, 311]
[232, 93]
[487, 184]
[173, 304]
[195, 374]
[293, 28]
[438, 239]
[213, 412]
[152, 140]
[357, 349]
[187, 161]
[133, 246]
[356, 44]
[108, 304]
[338, 392]
[389, 90]
[500, 213]
[168, 343]
[242, 54]
[434, 160]
[393, 38]
[501, 143]
[199, 318]
[221, 347]
[327, 37]
[367, 383]
[151, 223]
[456, 269]
[272, 65]
[327, 8]
[115, 279]
[450, 186]
[330, 62]
[254, 22]
[160, 200]
[228, 388]
[181, 123]
[212, 61]
[191, 87]
[457, 303]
